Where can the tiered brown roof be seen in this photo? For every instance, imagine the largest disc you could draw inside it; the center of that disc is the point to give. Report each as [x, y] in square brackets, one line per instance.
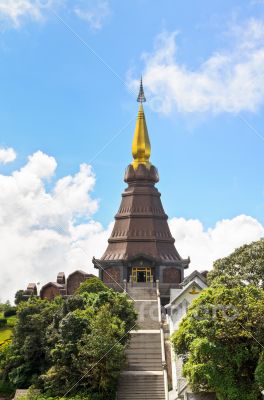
[141, 226]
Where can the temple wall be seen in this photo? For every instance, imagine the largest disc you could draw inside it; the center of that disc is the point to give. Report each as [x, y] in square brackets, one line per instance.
[50, 292]
[112, 275]
[74, 281]
[171, 275]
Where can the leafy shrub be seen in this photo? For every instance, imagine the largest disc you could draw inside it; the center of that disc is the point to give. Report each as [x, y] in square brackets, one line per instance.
[10, 312]
[244, 265]
[58, 343]
[11, 322]
[3, 322]
[21, 296]
[5, 306]
[6, 389]
[85, 396]
[92, 285]
[259, 373]
[221, 340]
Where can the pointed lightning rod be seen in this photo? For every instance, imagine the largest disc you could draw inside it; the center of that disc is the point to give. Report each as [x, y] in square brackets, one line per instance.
[141, 95]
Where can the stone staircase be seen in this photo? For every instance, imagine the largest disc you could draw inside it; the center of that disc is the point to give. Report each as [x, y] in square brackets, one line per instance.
[143, 378]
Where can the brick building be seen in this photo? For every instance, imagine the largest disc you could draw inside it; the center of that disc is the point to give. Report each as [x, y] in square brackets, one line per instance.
[62, 286]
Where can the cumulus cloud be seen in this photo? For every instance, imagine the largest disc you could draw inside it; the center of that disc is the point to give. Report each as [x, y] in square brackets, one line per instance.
[44, 231]
[7, 155]
[205, 246]
[94, 13]
[13, 13]
[47, 226]
[229, 80]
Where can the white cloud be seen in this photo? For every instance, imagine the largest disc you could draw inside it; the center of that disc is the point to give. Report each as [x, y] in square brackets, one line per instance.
[230, 80]
[44, 231]
[205, 246]
[7, 155]
[13, 12]
[94, 13]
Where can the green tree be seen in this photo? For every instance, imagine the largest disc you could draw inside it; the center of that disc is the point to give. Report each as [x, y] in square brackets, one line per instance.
[57, 342]
[89, 351]
[92, 285]
[63, 351]
[25, 358]
[20, 296]
[221, 340]
[244, 265]
[259, 374]
[103, 361]
[4, 306]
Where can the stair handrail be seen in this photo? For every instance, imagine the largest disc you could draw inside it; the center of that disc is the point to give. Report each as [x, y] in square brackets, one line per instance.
[182, 384]
[163, 356]
[125, 286]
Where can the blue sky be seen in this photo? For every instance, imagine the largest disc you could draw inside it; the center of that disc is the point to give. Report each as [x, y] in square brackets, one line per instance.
[68, 73]
[58, 97]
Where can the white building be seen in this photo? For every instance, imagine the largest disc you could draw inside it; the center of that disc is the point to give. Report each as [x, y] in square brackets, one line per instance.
[180, 299]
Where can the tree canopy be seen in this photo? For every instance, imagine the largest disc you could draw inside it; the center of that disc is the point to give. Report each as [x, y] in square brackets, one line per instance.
[244, 266]
[77, 339]
[221, 341]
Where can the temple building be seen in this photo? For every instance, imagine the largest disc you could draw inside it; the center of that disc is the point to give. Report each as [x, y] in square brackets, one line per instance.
[141, 249]
[62, 287]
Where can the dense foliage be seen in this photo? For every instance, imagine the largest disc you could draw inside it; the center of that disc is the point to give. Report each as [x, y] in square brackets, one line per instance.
[221, 341]
[10, 312]
[3, 322]
[84, 396]
[20, 296]
[7, 322]
[73, 345]
[259, 374]
[244, 266]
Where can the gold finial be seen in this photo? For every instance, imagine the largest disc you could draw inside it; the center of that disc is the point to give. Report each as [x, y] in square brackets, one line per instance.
[141, 148]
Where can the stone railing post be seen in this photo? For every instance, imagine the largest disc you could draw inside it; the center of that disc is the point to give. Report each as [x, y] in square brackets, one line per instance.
[125, 285]
[163, 356]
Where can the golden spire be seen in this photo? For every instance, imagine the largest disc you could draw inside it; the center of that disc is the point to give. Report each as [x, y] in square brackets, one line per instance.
[141, 145]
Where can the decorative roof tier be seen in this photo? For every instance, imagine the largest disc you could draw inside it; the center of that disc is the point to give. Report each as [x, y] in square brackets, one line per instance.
[141, 227]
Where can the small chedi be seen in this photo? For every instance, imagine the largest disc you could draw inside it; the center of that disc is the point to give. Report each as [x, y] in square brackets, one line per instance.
[62, 286]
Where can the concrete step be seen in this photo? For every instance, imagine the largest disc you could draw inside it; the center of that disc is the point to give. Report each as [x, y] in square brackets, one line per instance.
[142, 293]
[148, 315]
[152, 395]
[146, 367]
[141, 387]
[147, 346]
[141, 396]
[141, 339]
[146, 352]
[142, 379]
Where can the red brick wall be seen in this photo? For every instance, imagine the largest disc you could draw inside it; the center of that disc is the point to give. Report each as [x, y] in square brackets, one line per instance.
[171, 275]
[74, 281]
[49, 292]
[111, 275]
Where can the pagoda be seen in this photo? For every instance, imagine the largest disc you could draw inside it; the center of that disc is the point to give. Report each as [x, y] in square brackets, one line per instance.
[141, 249]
